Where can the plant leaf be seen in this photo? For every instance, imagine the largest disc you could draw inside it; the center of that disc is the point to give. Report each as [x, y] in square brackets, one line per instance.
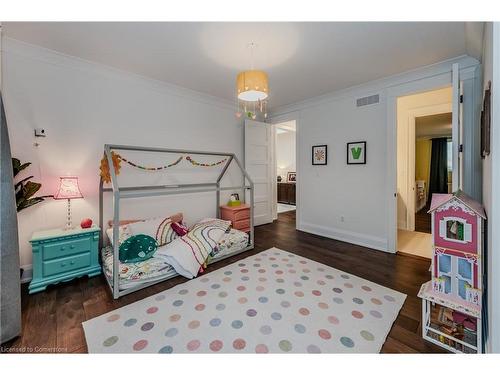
[28, 203]
[30, 189]
[17, 166]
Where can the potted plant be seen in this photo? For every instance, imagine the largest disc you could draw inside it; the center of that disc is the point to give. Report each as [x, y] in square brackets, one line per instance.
[25, 189]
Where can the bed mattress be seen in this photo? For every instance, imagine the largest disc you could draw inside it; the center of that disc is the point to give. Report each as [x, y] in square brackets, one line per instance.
[155, 268]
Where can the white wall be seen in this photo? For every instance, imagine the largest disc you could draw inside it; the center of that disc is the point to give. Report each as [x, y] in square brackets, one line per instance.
[82, 106]
[351, 202]
[285, 153]
[491, 182]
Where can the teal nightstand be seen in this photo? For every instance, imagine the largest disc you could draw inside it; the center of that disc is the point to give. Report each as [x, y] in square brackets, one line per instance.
[61, 255]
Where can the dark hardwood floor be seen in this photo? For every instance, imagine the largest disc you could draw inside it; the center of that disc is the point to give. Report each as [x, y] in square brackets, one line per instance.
[52, 319]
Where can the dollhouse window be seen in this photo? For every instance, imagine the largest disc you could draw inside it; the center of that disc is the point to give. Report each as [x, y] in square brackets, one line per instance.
[462, 285]
[444, 266]
[455, 230]
[465, 269]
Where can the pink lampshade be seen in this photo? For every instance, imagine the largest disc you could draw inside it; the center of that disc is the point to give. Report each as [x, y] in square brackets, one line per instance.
[68, 188]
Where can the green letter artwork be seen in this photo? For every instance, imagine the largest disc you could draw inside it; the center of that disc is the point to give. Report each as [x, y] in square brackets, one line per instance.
[356, 152]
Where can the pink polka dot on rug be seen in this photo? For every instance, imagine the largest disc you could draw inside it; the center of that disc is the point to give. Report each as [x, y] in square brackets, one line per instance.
[242, 300]
[262, 270]
[244, 270]
[304, 311]
[376, 301]
[324, 334]
[241, 288]
[193, 324]
[261, 349]
[323, 305]
[201, 293]
[366, 288]
[199, 307]
[316, 292]
[140, 345]
[239, 344]
[333, 319]
[113, 318]
[292, 271]
[298, 293]
[174, 318]
[216, 345]
[260, 288]
[348, 285]
[152, 310]
[193, 345]
[226, 279]
[357, 314]
[278, 272]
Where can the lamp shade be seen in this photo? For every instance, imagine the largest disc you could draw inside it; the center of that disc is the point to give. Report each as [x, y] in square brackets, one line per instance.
[252, 85]
[68, 188]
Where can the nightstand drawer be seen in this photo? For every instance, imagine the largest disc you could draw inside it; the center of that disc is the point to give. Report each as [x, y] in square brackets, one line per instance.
[241, 224]
[242, 214]
[66, 247]
[54, 267]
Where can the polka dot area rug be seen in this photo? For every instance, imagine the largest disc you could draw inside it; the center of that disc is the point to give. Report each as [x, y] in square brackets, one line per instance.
[271, 302]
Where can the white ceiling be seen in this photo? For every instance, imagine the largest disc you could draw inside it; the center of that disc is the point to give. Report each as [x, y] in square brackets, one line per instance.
[433, 126]
[303, 60]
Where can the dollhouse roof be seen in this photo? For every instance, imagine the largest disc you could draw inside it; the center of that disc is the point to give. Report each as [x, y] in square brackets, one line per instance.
[439, 199]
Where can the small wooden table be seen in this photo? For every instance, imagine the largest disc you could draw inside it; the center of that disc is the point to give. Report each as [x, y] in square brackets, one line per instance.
[61, 255]
[238, 215]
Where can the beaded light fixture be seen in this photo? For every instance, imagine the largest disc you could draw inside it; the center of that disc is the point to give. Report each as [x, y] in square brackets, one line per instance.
[253, 90]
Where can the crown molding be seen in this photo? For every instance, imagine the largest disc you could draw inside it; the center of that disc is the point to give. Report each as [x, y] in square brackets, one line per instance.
[380, 85]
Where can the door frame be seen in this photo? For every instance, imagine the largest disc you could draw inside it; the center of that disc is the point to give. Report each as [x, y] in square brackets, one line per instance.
[290, 116]
[415, 87]
[411, 156]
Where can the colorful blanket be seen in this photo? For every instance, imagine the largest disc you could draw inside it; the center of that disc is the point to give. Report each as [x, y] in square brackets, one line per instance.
[188, 254]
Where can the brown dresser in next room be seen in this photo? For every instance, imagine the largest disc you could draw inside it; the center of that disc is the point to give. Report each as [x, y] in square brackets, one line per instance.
[286, 192]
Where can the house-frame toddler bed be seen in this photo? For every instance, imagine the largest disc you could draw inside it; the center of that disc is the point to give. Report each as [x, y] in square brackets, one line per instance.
[139, 191]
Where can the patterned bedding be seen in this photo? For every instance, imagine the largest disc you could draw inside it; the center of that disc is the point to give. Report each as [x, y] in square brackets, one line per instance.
[155, 268]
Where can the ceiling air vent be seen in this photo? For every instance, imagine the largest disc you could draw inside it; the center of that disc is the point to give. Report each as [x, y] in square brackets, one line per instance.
[367, 100]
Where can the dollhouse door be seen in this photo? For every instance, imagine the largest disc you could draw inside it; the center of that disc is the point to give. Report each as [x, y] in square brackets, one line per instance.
[457, 274]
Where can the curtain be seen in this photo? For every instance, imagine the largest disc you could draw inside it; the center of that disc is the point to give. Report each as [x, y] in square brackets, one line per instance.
[438, 179]
[10, 290]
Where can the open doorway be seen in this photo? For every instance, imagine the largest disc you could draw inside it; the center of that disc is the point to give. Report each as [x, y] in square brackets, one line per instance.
[424, 165]
[286, 167]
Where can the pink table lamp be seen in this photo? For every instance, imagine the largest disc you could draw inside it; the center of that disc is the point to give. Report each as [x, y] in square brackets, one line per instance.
[68, 189]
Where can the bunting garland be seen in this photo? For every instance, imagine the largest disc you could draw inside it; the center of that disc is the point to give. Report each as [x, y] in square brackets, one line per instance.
[117, 158]
[151, 168]
[189, 159]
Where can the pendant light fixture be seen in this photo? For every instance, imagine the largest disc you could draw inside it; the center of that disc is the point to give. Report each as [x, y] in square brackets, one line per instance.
[252, 89]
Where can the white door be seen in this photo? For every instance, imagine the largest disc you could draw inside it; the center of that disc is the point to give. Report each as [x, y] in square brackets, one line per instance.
[258, 163]
[456, 174]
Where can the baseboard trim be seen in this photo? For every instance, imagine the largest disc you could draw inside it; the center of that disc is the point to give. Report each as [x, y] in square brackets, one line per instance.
[27, 274]
[355, 238]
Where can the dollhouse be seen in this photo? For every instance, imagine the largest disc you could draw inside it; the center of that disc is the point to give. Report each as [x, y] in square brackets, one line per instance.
[451, 301]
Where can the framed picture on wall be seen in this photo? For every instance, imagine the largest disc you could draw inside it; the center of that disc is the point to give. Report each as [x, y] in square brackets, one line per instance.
[291, 177]
[319, 155]
[356, 153]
